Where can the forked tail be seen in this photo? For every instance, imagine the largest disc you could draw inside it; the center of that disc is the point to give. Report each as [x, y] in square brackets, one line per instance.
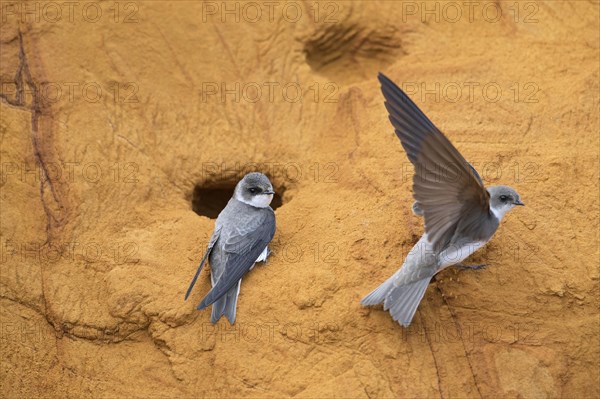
[401, 301]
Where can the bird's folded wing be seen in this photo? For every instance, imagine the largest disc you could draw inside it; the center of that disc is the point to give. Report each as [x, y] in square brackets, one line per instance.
[242, 247]
[446, 187]
[211, 243]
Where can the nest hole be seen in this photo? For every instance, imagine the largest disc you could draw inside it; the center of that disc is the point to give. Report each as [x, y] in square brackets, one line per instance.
[349, 52]
[209, 201]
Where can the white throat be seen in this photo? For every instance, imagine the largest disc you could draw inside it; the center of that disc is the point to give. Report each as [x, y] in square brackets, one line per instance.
[257, 201]
[500, 212]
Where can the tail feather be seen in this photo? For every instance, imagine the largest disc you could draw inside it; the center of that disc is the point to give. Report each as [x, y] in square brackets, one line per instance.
[401, 301]
[379, 294]
[226, 305]
[231, 306]
[217, 309]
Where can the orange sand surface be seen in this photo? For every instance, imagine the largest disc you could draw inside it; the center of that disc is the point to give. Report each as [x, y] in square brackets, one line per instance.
[119, 120]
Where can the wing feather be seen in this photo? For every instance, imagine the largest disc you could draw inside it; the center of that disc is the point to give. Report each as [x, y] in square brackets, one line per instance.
[446, 187]
[211, 243]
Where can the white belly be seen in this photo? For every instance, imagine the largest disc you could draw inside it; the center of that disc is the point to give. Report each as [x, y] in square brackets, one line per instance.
[262, 257]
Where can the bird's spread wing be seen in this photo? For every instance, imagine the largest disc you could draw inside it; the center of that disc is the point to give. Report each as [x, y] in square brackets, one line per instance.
[446, 187]
[211, 243]
[242, 247]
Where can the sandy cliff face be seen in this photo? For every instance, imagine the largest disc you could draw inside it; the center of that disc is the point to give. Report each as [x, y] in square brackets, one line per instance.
[119, 119]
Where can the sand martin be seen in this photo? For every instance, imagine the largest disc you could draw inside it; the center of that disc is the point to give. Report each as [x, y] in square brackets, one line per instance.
[243, 230]
[461, 215]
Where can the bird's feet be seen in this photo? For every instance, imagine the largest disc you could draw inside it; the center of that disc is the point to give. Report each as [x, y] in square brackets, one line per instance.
[471, 267]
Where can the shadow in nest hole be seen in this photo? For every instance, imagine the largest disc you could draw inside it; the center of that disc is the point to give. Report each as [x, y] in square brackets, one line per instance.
[209, 200]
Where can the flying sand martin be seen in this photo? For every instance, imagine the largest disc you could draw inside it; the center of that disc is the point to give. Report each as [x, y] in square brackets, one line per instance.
[461, 215]
[243, 230]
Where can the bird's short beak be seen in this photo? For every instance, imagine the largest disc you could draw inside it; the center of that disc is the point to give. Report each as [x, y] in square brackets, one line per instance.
[519, 203]
[268, 192]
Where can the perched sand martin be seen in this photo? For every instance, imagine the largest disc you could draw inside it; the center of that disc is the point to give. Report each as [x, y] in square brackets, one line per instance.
[243, 230]
[460, 215]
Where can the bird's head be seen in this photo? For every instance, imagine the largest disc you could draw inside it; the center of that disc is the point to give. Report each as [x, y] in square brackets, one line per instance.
[503, 199]
[255, 189]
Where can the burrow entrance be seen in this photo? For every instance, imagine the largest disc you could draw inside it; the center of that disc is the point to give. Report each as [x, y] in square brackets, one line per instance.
[209, 200]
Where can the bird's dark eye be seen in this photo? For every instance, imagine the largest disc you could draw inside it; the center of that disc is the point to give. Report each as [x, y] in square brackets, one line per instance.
[503, 198]
[254, 190]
